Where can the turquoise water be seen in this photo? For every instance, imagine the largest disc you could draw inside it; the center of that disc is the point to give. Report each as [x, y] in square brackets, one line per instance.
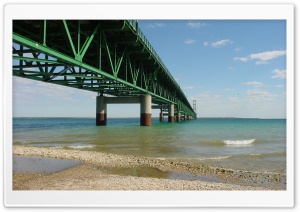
[240, 144]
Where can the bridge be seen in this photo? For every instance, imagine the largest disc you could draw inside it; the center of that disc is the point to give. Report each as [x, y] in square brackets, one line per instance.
[110, 57]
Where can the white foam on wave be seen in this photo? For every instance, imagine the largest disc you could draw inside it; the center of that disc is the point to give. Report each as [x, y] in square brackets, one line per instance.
[216, 158]
[258, 154]
[26, 142]
[82, 146]
[239, 142]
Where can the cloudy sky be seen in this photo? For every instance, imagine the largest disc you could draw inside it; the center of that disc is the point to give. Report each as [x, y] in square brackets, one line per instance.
[231, 68]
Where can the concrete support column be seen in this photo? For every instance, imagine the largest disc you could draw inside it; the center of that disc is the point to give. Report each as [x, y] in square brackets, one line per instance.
[146, 110]
[101, 111]
[161, 116]
[171, 113]
[178, 117]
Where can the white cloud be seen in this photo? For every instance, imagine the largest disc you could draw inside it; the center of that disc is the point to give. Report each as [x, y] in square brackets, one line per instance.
[207, 98]
[244, 59]
[253, 103]
[234, 99]
[177, 79]
[189, 41]
[221, 43]
[280, 74]
[27, 87]
[262, 57]
[261, 62]
[195, 24]
[259, 95]
[188, 87]
[237, 49]
[255, 84]
[156, 25]
[21, 81]
[218, 43]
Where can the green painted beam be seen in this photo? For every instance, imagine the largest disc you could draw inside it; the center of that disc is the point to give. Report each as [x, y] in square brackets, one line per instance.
[35, 59]
[134, 43]
[83, 76]
[88, 42]
[64, 58]
[69, 37]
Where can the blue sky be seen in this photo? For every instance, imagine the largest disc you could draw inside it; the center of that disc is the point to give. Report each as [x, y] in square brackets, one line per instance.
[231, 68]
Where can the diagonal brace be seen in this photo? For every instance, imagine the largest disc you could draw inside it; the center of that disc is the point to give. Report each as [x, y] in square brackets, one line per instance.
[60, 73]
[70, 38]
[87, 43]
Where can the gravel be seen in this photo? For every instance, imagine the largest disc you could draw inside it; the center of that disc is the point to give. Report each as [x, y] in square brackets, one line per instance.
[93, 174]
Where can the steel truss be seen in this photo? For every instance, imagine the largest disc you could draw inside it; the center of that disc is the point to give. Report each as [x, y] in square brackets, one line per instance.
[109, 57]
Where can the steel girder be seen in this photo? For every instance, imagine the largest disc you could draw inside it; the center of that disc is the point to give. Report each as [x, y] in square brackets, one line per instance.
[111, 57]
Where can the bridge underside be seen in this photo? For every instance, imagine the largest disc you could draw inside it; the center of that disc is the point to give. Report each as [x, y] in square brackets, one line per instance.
[112, 58]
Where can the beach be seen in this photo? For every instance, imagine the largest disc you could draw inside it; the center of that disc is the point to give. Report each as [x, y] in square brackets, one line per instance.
[105, 171]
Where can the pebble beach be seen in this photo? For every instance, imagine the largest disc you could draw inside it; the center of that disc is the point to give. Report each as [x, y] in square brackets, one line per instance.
[104, 171]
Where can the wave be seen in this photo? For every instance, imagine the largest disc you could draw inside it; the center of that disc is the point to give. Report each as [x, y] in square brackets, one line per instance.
[239, 142]
[30, 143]
[82, 146]
[270, 154]
[253, 155]
[22, 142]
[227, 142]
[216, 158]
[212, 143]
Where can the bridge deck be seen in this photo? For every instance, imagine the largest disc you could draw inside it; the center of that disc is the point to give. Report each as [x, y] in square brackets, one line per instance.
[106, 56]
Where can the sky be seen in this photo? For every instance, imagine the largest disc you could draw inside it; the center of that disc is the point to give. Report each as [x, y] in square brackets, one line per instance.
[232, 68]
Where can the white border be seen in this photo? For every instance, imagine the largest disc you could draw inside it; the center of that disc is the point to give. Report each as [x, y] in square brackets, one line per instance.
[148, 198]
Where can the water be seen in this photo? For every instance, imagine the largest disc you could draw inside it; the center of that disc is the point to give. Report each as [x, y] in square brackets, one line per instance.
[40, 164]
[239, 144]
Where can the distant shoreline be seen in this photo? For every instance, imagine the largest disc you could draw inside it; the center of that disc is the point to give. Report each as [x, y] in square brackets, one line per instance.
[154, 117]
[93, 174]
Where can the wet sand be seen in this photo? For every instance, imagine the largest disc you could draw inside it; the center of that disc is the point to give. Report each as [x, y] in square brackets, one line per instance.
[104, 171]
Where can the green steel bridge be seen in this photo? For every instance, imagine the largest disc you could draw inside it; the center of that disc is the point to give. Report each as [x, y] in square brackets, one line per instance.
[110, 57]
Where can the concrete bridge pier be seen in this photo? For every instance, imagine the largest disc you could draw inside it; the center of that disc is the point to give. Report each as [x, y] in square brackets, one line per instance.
[145, 108]
[171, 113]
[145, 119]
[161, 116]
[178, 117]
[101, 109]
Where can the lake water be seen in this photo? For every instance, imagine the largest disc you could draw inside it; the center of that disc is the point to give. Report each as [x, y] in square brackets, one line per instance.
[239, 144]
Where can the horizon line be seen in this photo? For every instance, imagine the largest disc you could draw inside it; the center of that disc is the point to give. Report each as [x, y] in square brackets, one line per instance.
[207, 117]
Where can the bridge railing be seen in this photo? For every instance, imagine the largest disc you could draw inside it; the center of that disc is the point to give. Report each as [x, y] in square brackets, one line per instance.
[143, 38]
[134, 25]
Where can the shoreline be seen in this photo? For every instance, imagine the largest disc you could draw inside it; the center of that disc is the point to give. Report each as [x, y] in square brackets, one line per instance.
[105, 171]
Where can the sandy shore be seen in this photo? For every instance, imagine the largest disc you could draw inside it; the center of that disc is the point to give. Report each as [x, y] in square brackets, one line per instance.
[103, 171]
